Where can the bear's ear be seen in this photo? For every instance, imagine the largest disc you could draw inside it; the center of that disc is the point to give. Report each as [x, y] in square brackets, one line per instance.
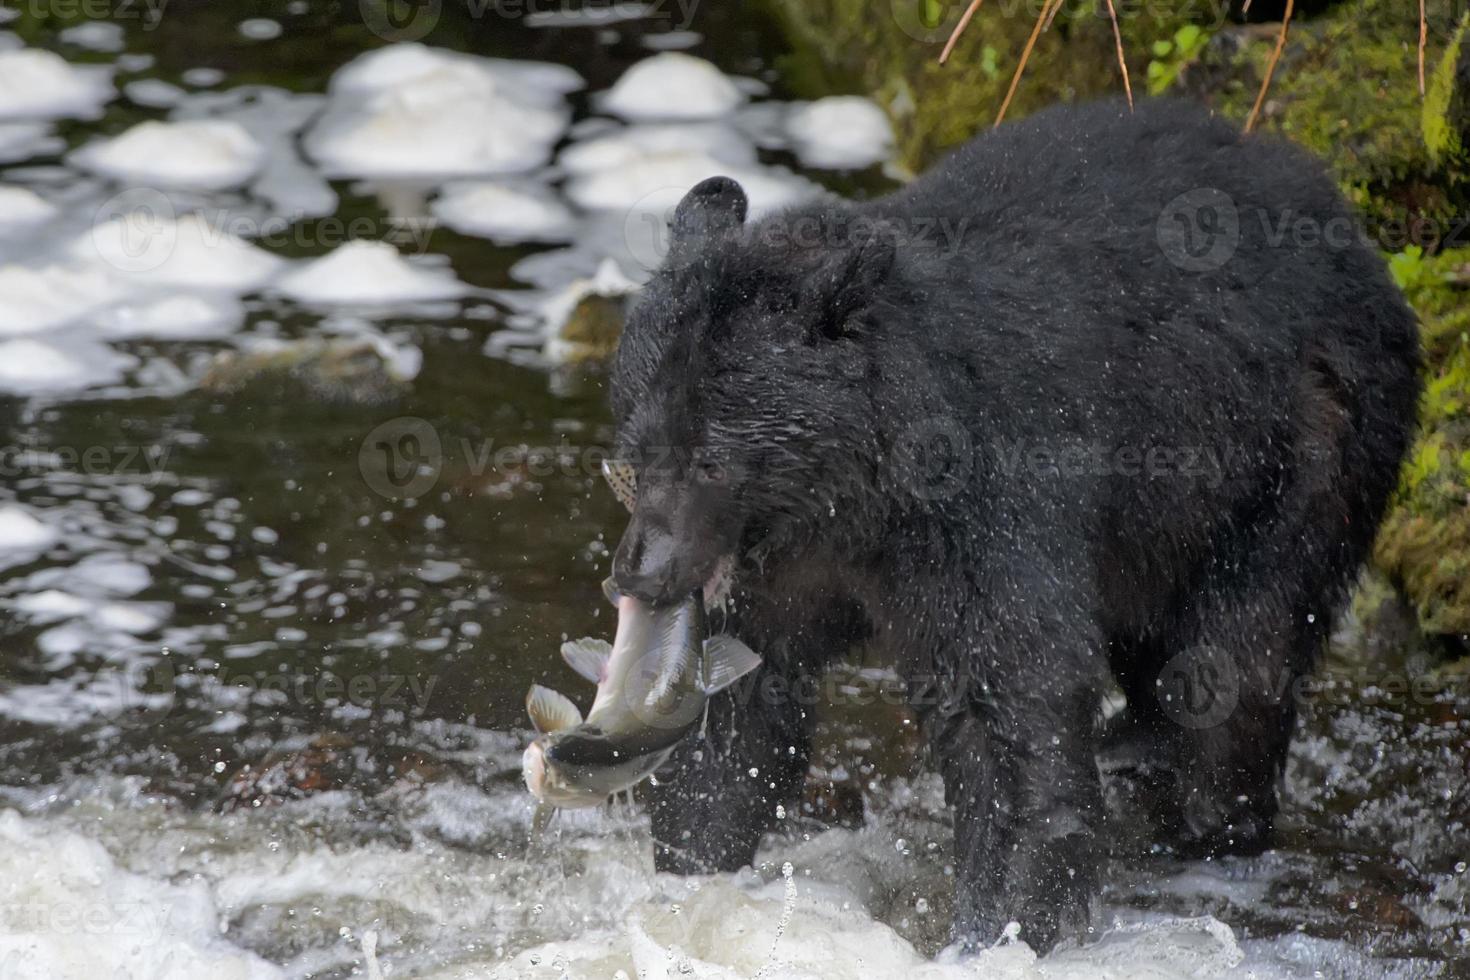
[844, 286]
[713, 207]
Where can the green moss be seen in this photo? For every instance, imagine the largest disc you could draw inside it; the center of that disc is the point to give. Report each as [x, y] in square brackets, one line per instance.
[1424, 545]
[892, 51]
[1442, 137]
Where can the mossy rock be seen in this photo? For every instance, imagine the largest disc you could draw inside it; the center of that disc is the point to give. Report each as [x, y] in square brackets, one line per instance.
[1346, 86]
[1347, 89]
[1424, 545]
[891, 50]
[336, 371]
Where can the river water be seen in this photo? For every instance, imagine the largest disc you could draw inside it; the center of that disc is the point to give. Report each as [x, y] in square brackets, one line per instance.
[283, 544]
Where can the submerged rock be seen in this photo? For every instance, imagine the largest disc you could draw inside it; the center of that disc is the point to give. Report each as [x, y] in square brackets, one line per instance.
[584, 321]
[344, 370]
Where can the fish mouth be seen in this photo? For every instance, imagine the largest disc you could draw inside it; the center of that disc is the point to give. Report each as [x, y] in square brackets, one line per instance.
[533, 768]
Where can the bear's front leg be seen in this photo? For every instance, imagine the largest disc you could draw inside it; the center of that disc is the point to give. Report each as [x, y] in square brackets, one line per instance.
[1009, 705]
[719, 792]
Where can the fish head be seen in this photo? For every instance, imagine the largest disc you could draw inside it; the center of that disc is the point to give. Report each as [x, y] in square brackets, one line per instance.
[597, 769]
[550, 784]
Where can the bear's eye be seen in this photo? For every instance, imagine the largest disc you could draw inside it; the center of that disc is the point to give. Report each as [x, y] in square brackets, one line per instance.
[623, 480]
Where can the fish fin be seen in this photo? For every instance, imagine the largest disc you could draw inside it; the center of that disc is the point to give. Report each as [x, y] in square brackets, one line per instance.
[611, 591]
[588, 657]
[550, 711]
[728, 660]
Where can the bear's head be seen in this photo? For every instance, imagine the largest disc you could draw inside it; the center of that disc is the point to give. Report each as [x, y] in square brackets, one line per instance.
[741, 389]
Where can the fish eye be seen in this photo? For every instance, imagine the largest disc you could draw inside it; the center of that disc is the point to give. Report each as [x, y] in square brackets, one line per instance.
[622, 478]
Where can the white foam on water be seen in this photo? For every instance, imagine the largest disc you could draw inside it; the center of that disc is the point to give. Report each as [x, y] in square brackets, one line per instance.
[673, 85]
[21, 531]
[142, 248]
[96, 35]
[408, 111]
[154, 92]
[34, 299]
[207, 154]
[591, 15]
[69, 912]
[36, 84]
[29, 366]
[367, 273]
[617, 148]
[273, 118]
[24, 140]
[840, 132]
[179, 317]
[503, 213]
[647, 168]
[22, 209]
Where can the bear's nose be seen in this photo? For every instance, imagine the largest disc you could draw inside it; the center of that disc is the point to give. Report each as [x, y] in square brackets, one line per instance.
[644, 566]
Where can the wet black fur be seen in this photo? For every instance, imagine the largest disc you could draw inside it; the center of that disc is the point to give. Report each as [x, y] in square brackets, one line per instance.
[846, 415]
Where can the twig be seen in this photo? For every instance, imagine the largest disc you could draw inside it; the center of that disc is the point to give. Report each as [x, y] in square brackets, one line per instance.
[1122, 61]
[1051, 17]
[1250, 122]
[1049, 8]
[1423, 37]
[959, 29]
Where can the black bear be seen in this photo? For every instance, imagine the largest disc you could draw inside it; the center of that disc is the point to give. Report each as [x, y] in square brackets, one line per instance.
[1104, 393]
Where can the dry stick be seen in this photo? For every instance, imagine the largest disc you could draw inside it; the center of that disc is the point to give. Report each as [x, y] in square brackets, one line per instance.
[1026, 56]
[1122, 61]
[1423, 36]
[1250, 122]
[959, 29]
[1051, 17]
